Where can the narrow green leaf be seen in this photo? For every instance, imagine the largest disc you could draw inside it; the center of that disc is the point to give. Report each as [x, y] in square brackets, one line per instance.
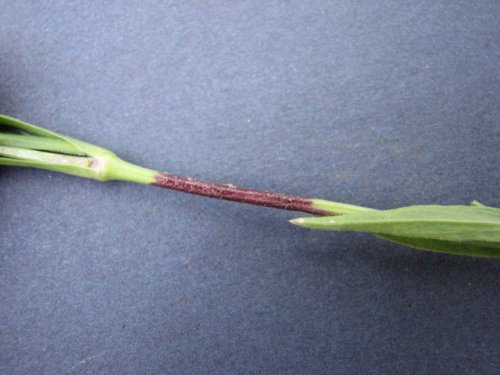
[437, 228]
[459, 248]
[82, 148]
[27, 127]
[43, 157]
[34, 142]
[35, 147]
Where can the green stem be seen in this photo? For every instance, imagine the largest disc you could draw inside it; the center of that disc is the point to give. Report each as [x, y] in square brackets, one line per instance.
[121, 170]
[39, 148]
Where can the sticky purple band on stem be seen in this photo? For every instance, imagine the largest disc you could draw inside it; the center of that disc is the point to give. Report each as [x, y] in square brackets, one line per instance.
[237, 194]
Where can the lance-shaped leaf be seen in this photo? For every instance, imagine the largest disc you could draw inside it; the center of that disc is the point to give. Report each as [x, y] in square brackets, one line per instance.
[468, 230]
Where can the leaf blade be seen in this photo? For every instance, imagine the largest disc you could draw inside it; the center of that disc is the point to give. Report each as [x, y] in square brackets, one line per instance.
[473, 230]
[464, 248]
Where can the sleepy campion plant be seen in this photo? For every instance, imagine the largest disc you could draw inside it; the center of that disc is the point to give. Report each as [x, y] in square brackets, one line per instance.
[467, 230]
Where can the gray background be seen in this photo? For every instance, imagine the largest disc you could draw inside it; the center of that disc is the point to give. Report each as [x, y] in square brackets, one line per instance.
[377, 103]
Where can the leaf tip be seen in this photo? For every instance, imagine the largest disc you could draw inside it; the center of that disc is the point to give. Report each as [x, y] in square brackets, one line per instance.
[299, 221]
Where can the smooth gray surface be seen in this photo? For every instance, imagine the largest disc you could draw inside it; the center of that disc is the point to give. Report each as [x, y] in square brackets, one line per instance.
[378, 103]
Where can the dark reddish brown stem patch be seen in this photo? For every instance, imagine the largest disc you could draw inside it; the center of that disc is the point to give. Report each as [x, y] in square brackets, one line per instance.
[237, 194]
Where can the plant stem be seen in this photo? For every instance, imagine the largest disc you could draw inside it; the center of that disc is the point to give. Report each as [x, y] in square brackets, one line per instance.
[472, 230]
[26, 145]
[237, 194]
